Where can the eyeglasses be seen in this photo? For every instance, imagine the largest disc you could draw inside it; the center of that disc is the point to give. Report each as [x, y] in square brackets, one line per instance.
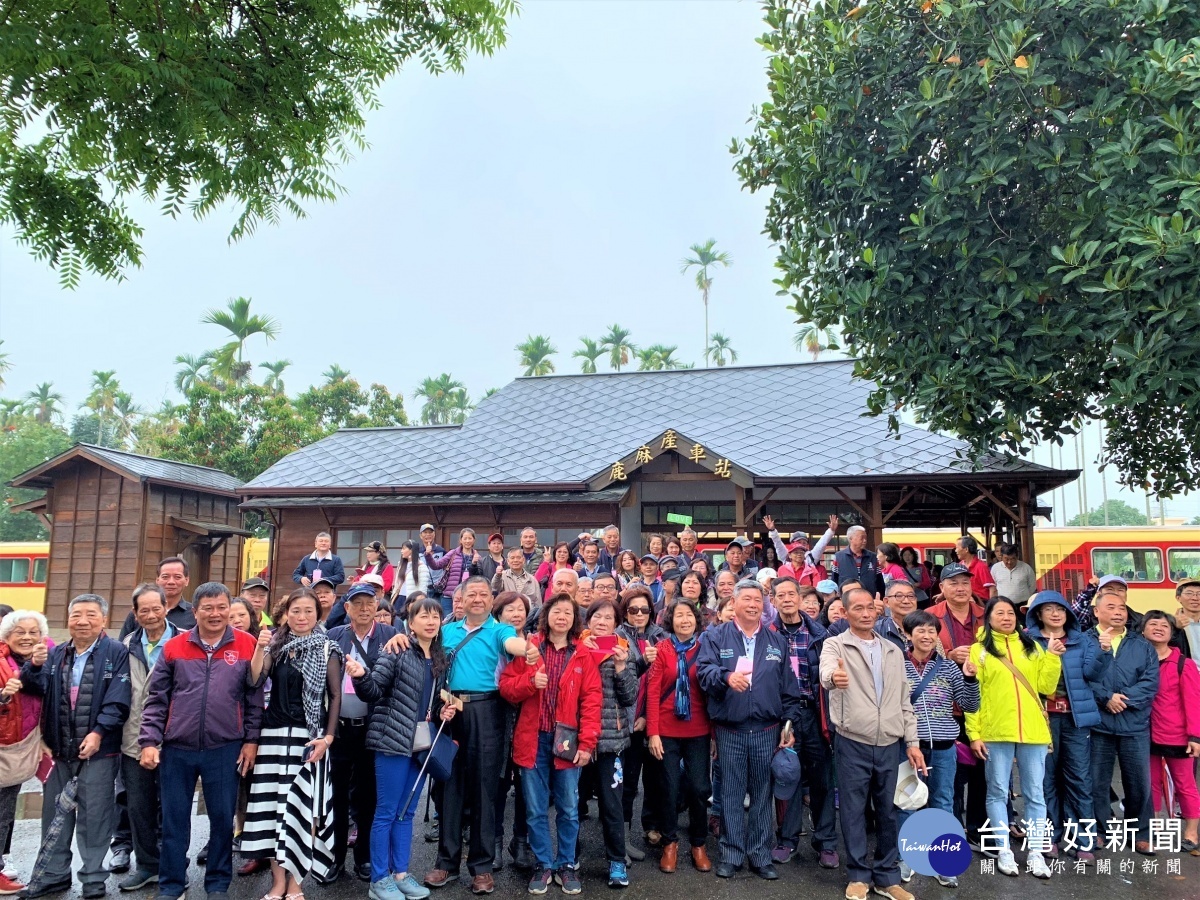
[639, 610]
[899, 596]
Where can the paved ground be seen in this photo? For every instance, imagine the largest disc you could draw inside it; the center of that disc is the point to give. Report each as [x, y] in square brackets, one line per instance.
[647, 883]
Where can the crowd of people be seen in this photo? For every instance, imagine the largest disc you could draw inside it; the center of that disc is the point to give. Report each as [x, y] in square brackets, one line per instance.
[762, 703]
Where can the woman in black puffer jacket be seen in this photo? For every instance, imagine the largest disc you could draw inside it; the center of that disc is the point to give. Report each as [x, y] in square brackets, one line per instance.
[404, 688]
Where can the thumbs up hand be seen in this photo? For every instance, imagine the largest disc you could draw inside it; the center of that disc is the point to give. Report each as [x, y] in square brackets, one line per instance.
[841, 678]
[1057, 647]
[1106, 639]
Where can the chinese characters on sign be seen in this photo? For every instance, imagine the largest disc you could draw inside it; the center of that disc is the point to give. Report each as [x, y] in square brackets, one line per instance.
[1166, 835]
[722, 468]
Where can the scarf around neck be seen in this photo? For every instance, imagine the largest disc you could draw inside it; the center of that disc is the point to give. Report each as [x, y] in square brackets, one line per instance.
[310, 654]
[683, 686]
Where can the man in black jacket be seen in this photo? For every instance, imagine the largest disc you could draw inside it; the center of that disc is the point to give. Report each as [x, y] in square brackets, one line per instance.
[752, 690]
[84, 684]
[353, 764]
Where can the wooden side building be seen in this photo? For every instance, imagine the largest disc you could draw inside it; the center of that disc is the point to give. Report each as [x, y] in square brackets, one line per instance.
[113, 515]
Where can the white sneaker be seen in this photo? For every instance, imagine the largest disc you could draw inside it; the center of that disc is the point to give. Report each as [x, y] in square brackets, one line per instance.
[10, 871]
[947, 881]
[1007, 863]
[906, 872]
[1037, 866]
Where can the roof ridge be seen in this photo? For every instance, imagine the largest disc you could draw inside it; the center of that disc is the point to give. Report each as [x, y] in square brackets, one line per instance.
[165, 459]
[788, 365]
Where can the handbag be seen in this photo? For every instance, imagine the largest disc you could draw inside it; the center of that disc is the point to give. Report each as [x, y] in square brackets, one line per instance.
[1036, 697]
[19, 762]
[566, 741]
[439, 758]
[438, 752]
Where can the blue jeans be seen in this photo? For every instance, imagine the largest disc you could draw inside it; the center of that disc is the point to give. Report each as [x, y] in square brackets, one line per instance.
[538, 784]
[1031, 763]
[218, 776]
[1068, 784]
[1132, 753]
[391, 829]
[943, 764]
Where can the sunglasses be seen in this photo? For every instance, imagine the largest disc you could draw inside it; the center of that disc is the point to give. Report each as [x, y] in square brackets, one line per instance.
[639, 610]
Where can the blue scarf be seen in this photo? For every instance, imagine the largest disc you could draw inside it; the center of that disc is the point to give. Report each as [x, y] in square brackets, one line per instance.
[683, 687]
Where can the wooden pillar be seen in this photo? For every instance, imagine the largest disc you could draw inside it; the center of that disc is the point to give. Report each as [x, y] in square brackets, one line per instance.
[739, 508]
[874, 522]
[1024, 528]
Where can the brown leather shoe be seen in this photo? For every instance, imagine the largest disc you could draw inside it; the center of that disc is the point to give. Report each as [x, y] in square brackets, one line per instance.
[250, 866]
[483, 883]
[670, 857]
[437, 878]
[700, 860]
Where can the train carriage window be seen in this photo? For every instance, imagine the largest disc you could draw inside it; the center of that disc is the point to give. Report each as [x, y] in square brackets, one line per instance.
[1183, 563]
[1134, 564]
[14, 571]
[39, 570]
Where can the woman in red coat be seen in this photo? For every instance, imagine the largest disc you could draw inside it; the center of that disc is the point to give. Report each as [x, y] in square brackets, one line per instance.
[558, 728]
[677, 730]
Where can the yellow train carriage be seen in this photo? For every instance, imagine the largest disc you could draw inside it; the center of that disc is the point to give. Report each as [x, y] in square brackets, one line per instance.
[23, 566]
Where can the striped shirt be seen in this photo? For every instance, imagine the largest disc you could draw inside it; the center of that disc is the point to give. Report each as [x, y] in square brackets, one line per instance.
[556, 663]
[935, 706]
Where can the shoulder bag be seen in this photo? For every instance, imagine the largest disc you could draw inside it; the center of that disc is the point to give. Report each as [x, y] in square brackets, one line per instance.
[440, 749]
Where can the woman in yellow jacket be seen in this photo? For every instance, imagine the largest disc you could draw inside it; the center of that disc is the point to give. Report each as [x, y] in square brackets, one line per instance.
[1011, 724]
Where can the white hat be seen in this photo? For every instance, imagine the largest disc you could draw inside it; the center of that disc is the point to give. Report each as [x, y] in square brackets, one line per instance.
[766, 576]
[911, 792]
[371, 578]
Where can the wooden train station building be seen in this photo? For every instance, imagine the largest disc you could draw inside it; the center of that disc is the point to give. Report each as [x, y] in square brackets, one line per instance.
[723, 446]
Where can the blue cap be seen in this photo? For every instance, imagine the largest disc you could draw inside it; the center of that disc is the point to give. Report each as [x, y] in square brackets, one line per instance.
[359, 590]
[828, 586]
[955, 569]
[651, 557]
[785, 773]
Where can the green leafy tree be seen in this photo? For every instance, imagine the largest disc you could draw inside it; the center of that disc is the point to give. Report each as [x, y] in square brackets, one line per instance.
[24, 444]
[274, 380]
[590, 353]
[702, 259]
[460, 406]
[441, 396]
[618, 346]
[198, 106]
[536, 351]
[656, 357]
[11, 413]
[88, 428]
[1119, 513]
[334, 374]
[193, 369]
[45, 404]
[236, 318]
[154, 428]
[996, 201]
[103, 402]
[814, 340]
[720, 350]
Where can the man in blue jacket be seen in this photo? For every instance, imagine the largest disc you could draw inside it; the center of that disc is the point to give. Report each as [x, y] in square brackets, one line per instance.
[1124, 693]
[353, 764]
[744, 669]
[321, 563]
[857, 563]
[85, 686]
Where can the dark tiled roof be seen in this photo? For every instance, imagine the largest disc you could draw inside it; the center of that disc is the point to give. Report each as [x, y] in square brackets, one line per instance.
[149, 468]
[787, 421]
[608, 495]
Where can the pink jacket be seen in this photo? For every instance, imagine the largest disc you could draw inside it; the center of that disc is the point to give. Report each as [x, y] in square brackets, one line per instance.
[1175, 715]
[31, 705]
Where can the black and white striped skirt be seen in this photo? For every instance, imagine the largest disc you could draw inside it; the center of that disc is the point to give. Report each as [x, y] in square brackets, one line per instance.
[290, 814]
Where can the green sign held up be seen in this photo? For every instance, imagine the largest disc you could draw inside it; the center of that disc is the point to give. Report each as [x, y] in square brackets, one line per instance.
[679, 518]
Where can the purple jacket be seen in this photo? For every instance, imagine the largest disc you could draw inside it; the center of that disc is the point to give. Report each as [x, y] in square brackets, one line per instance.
[455, 564]
[202, 702]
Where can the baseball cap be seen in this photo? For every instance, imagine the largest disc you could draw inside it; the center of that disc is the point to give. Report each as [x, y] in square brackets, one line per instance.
[327, 581]
[425, 527]
[359, 590]
[673, 560]
[801, 546]
[743, 542]
[1107, 580]
[372, 578]
[828, 586]
[799, 537]
[651, 557]
[377, 546]
[766, 576]
[495, 536]
[785, 773]
[254, 583]
[953, 570]
[1188, 582]
[911, 792]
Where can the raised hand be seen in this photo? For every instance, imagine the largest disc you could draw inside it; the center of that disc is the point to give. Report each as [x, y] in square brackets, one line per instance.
[531, 654]
[541, 680]
[833, 524]
[38, 657]
[651, 654]
[769, 521]
[1106, 639]
[264, 638]
[355, 669]
[1057, 647]
[841, 678]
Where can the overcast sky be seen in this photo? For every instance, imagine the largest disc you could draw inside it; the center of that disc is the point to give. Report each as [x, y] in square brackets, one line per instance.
[552, 189]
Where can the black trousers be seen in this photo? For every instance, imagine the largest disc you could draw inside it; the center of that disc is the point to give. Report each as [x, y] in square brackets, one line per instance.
[145, 813]
[816, 762]
[479, 731]
[610, 773]
[352, 768]
[689, 781]
[867, 772]
[638, 763]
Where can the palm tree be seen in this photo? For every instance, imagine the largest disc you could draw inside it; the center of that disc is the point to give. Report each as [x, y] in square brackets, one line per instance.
[441, 399]
[44, 402]
[274, 381]
[103, 398]
[618, 346]
[126, 413]
[589, 353]
[335, 374]
[5, 365]
[241, 325]
[536, 351]
[460, 407]
[813, 340]
[656, 357]
[704, 257]
[720, 348]
[193, 370]
[10, 412]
